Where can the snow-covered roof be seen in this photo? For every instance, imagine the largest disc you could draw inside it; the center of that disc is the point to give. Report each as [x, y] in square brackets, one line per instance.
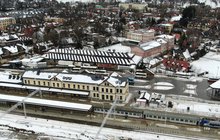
[164, 36]
[12, 49]
[136, 59]
[176, 18]
[186, 54]
[197, 108]
[113, 79]
[34, 59]
[145, 95]
[79, 78]
[150, 45]
[49, 103]
[39, 75]
[160, 40]
[209, 63]
[216, 85]
[1, 52]
[143, 31]
[211, 3]
[117, 48]
[116, 81]
[10, 77]
[91, 56]
[7, 37]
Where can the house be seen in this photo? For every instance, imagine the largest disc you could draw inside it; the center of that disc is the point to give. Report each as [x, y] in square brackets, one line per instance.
[214, 90]
[144, 99]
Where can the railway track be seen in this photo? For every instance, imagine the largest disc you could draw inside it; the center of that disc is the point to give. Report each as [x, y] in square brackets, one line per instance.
[130, 124]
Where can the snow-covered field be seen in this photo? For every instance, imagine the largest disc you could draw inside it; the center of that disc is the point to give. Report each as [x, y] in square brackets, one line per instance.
[210, 63]
[63, 130]
[204, 109]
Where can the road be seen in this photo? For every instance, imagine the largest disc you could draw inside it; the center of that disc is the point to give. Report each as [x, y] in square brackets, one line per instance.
[187, 87]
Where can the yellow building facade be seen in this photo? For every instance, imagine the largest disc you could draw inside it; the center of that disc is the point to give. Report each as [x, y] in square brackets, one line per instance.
[137, 6]
[5, 21]
[101, 88]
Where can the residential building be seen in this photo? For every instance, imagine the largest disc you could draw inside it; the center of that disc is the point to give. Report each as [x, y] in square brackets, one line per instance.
[5, 21]
[137, 6]
[141, 35]
[54, 19]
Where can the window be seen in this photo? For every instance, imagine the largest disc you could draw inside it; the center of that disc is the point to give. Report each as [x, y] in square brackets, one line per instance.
[87, 87]
[120, 97]
[78, 86]
[111, 97]
[83, 87]
[106, 90]
[44, 83]
[94, 94]
[58, 85]
[28, 81]
[74, 86]
[117, 90]
[106, 97]
[110, 90]
[97, 88]
[48, 83]
[93, 88]
[68, 85]
[102, 89]
[25, 81]
[53, 84]
[120, 90]
[97, 95]
[38, 82]
[63, 85]
[34, 83]
[103, 97]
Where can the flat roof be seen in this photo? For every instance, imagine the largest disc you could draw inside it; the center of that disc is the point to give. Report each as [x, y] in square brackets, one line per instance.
[48, 103]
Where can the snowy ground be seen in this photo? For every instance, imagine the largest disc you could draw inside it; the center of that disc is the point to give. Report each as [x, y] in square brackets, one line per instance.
[63, 130]
[210, 63]
[198, 108]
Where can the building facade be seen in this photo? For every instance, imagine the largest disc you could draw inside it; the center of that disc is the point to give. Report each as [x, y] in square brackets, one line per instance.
[106, 88]
[5, 21]
[141, 35]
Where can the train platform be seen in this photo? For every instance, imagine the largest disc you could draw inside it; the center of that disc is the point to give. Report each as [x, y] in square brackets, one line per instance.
[123, 123]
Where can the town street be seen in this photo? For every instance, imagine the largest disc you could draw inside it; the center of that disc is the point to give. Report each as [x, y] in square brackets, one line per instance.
[194, 87]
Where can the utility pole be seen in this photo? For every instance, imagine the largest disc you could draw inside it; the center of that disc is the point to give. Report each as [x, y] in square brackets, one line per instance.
[19, 103]
[106, 117]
